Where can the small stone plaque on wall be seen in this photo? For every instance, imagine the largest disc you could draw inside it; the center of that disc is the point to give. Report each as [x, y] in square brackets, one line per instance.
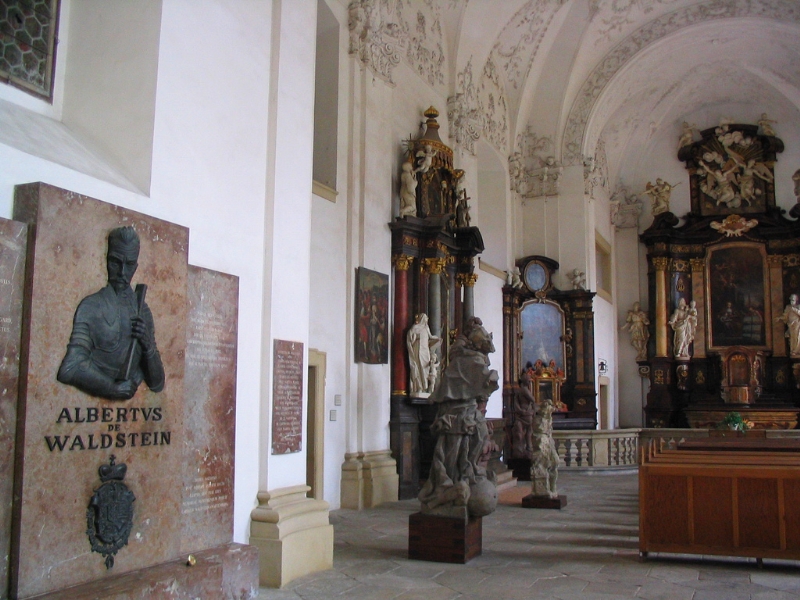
[287, 397]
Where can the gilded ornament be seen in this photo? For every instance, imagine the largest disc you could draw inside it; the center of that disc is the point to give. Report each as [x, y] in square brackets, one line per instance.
[660, 263]
[402, 262]
[698, 264]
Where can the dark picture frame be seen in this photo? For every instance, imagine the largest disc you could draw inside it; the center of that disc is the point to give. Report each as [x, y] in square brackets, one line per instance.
[738, 307]
[372, 317]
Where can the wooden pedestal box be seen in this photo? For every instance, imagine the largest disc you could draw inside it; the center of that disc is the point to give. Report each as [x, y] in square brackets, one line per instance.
[444, 539]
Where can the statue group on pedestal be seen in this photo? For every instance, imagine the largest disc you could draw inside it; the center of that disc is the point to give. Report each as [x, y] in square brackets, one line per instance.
[458, 486]
[423, 357]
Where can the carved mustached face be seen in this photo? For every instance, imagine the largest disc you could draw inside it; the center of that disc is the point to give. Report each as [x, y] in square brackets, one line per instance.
[121, 263]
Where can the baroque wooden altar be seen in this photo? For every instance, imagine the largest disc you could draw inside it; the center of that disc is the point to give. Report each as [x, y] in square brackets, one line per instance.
[556, 327]
[733, 261]
[434, 273]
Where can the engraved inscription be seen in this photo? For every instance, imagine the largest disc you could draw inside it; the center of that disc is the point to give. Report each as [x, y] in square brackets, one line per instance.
[210, 342]
[287, 397]
[205, 494]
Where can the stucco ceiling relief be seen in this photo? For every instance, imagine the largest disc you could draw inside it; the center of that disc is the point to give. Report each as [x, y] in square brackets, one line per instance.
[464, 111]
[576, 126]
[493, 104]
[381, 36]
[625, 209]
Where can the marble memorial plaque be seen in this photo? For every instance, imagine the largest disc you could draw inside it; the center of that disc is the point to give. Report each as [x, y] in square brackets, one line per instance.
[210, 412]
[68, 434]
[287, 397]
[13, 238]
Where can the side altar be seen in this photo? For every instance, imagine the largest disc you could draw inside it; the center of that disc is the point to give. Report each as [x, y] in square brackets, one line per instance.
[548, 349]
[433, 252]
[722, 286]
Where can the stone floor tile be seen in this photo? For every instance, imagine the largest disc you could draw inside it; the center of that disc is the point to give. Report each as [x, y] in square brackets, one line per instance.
[369, 592]
[558, 585]
[673, 573]
[620, 589]
[654, 589]
[440, 593]
[775, 595]
[788, 581]
[369, 567]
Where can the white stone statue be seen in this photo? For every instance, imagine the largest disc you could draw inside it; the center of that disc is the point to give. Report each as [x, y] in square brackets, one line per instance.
[791, 317]
[687, 135]
[544, 458]
[422, 345]
[408, 191]
[578, 279]
[636, 323]
[766, 125]
[514, 278]
[660, 193]
[684, 323]
[425, 159]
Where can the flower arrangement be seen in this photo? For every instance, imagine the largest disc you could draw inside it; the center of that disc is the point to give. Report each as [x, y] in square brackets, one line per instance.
[735, 422]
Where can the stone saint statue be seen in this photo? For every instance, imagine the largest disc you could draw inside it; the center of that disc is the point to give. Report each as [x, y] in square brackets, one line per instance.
[578, 279]
[791, 317]
[544, 459]
[112, 348]
[458, 486]
[524, 412]
[408, 191]
[684, 323]
[636, 323]
[422, 347]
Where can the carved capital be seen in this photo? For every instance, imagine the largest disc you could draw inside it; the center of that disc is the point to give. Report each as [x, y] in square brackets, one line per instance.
[467, 279]
[402, 262]
[698, 264]
[434, 266]
[660, 263]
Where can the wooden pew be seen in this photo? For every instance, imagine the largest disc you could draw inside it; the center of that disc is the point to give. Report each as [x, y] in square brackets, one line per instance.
[726, 498]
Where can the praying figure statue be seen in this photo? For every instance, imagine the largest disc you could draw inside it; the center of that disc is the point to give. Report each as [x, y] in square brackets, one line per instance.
[458, 486]
[112, 348]
[637, 323]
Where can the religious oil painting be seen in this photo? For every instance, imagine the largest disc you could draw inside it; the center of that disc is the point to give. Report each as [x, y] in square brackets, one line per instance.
[372, 317]
[542, 326]
[737, 311]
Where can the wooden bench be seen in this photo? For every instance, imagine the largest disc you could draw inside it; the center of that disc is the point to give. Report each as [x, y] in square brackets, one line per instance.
[721, 498]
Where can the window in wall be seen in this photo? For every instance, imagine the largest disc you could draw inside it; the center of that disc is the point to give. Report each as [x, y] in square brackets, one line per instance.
[326, 103]
[27, 44]
[603, 266]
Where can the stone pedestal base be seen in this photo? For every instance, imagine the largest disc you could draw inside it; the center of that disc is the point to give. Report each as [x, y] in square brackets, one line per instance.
[531, 501]
[444, 539]
[292, 534]
[229, 572]
[369, 479]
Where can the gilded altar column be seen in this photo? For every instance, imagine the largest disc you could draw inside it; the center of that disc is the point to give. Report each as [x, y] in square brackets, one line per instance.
[660, 263]
[469, 296]
[699, 296]
[776, 304]
[434, 268]
[402, 263]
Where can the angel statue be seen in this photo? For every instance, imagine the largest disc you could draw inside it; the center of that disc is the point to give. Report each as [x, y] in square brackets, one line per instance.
[766, 125]
[637, 323]
[660, 193]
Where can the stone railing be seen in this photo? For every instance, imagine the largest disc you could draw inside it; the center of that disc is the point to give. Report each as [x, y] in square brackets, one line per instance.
[595, 449]
[612, 449]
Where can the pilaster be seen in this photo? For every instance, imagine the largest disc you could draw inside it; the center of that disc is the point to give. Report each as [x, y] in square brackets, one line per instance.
[369, 479]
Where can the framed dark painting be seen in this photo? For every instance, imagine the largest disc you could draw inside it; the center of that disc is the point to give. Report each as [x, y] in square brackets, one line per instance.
[737, 309]
[542, 327]
[372, 317]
